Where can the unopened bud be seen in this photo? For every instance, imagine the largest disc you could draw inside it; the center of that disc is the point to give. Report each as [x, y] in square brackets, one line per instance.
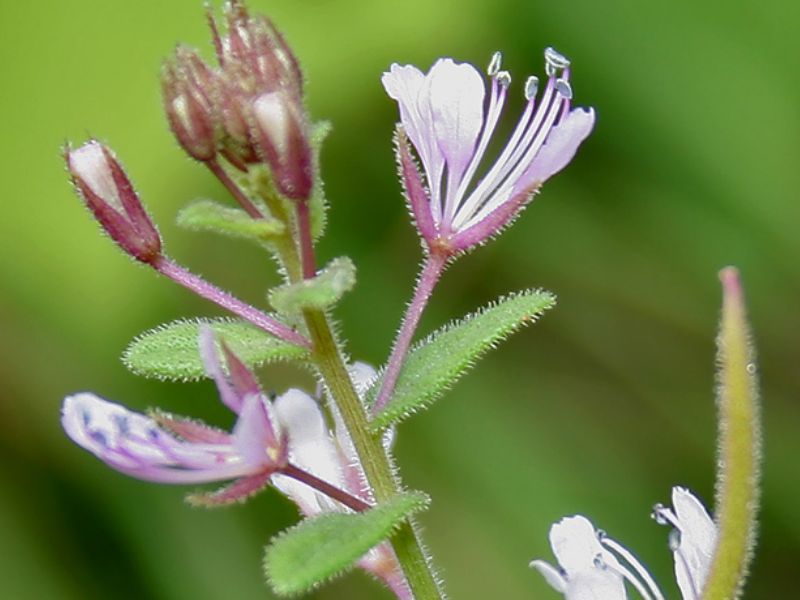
[280, 132]
[187, 85]
[107, 191]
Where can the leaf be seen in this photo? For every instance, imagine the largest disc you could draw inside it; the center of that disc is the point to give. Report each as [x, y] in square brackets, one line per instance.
[171, 351]
[321, 292]
[207, 215]
[325, 546]
[437, 362]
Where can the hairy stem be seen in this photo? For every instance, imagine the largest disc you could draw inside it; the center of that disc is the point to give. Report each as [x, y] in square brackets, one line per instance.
[738, 472]
[222, 298]
[377, 467]
[432, 269]
[237, 192]
[306, 240]
[326, 488]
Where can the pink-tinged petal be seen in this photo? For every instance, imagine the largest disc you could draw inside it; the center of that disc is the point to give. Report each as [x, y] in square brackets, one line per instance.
[208, 352]
[559, 148]
[696, 543]
[238, 491]
[403, 84]
[456, 93]
[191, 430]
[242, 378]
[255, 436]
[381, 561]
[416, 194]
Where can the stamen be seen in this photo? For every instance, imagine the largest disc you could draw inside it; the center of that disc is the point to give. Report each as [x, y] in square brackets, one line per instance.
[494, 64]
[554, 61]
[503, 78]
[629, 558]
[664, 516]
[531, 87]
[564, 88]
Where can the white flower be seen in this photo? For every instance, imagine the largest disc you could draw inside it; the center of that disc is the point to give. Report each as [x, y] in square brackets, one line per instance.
[595, 567]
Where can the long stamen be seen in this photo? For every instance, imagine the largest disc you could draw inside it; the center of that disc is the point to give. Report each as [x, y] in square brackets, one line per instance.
[474, 200]
[629, 558]
[500, 83]
[625, 573]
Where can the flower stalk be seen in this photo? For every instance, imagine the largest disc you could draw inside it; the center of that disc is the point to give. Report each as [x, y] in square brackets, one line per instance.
[739, 446]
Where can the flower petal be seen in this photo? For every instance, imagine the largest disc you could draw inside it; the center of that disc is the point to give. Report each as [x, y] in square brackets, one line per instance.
[698, 538]
[551, 575]
[255, 435]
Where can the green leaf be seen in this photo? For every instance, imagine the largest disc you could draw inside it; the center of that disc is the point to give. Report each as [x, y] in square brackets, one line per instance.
[437, 362]
[318, 204]
[321, 292]
[207, 215]
[171, 352]
[325, 546]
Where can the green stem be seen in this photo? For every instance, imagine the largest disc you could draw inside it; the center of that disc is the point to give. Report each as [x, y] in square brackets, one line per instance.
[739, 447]
[374, 459]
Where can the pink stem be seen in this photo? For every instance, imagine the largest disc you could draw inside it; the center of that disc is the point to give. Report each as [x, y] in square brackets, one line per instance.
[434, 265]
[326, 488]
[210, 292]
[306, 240]
[245, 202]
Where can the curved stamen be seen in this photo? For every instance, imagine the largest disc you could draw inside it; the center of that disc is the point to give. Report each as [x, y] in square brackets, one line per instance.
[629, 558]
[497, 100]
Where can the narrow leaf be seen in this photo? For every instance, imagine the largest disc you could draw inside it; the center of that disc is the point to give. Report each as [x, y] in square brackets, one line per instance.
[321, 292]
[206, 215]
[171, 351]
[437, 362]
[325, 546]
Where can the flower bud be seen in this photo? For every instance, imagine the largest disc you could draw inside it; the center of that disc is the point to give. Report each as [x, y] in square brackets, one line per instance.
[187, 86]
[107, 191]
[280, 132]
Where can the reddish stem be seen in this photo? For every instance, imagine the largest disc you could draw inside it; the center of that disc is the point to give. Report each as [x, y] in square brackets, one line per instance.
[245, 202]
[326, 488]
[434, 265]
[210, 292]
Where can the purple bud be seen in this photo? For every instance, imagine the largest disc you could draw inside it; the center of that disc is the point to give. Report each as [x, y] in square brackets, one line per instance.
[107, 191]
[280, 132]
[187, 86]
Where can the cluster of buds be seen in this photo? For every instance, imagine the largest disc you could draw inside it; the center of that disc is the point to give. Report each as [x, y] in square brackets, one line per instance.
[250, 108]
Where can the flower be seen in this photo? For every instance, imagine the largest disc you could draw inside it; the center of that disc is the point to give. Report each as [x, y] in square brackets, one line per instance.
[329, 453]
[593, 566]
[443, 114]
[168, 449]
[105, 188]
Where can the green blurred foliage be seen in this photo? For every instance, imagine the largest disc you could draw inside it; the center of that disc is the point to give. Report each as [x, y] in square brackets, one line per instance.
[599, 408]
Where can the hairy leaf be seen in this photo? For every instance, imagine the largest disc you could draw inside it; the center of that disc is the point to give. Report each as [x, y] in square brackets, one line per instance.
[323, 291]
[437, 362]
[327, 545]
[171, 352]
[207, 215]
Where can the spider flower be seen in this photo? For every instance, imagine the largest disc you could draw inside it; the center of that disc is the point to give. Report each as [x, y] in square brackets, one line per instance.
[592, 565]
[169, 449]
[447, 118]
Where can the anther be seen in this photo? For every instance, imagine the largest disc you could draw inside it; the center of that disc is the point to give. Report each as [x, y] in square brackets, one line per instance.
[554, 61]
[674, 540]
[531, 87]
[601, 534]
[503, 78]
[564, 89]
[599, 562]
[658, 514]
[494, 64]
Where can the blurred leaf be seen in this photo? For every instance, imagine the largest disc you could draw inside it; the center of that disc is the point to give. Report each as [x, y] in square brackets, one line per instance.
[171, 351]
[318, 204]
[440, 360]
[207, 215]
[325, 546]
[321, 292]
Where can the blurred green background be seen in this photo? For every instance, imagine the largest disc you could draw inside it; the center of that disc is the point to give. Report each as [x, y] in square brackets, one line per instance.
[600, 408]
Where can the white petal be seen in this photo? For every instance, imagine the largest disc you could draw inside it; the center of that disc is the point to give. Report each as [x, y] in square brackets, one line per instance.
[456, 93]
[90, 164]
[403, 84]
[551, 575]
[698, 538]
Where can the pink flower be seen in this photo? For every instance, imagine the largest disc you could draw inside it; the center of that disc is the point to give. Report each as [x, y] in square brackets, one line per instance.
[450, 124]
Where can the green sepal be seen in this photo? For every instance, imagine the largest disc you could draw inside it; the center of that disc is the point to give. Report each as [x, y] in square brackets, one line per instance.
[325, 546]
[439, 361]
[171, 352]
[319, 293]
[207, 215]
[318, 204]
